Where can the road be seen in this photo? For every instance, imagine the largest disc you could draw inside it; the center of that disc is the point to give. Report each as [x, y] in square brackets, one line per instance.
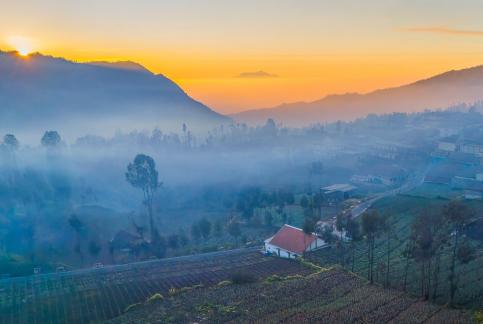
[414, 181]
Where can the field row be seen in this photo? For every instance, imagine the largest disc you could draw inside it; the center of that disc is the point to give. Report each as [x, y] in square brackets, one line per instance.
[105, 293]
[333, 296]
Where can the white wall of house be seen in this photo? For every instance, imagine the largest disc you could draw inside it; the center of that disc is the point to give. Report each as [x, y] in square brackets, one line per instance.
[280, 252]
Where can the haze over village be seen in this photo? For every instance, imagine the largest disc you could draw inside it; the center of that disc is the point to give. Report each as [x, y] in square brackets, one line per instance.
[212, 161]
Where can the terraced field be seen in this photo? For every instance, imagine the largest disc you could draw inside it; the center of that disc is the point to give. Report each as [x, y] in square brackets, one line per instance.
[405, 209]
[99, 294]
[330, 296]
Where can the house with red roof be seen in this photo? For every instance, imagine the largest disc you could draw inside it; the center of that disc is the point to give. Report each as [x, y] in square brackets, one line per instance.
[291, 242]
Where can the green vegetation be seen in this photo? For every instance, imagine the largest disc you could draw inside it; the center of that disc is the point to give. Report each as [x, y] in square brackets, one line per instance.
[420, 246]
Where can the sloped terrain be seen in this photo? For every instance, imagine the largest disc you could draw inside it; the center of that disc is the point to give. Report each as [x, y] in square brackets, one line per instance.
[40, 92]
[327, 296]
[95, 295]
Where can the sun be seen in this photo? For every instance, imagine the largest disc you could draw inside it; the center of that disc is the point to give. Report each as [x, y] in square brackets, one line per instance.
[23, 45]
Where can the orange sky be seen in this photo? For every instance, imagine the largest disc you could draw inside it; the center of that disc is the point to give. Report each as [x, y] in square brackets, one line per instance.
[308, 48]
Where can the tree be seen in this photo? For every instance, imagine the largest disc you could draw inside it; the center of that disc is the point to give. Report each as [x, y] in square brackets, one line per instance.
[426, 232]
[142, 174]
[173, 241]
[11, 142]
[388, 230]
[205, 228]
[77, 226]
[234, 228]
[51, 139]
[94, 248]
[457, 216]
[308, 229]
[341, 222]
[327, 234]
[158, 244]
[353, 232]
[371, 226]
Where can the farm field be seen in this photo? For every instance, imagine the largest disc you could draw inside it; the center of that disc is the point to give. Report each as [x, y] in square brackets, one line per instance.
[329, 296]
[96, 295]
[403, 210]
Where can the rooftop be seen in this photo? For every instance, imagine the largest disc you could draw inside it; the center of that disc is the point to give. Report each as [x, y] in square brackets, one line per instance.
[344, 187]
[292, 239]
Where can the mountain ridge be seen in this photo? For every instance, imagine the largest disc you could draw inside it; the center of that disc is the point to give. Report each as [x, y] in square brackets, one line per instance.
[438, 91]
[40, 92]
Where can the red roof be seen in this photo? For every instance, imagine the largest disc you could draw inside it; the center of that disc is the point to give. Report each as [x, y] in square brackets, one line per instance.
[292, 239]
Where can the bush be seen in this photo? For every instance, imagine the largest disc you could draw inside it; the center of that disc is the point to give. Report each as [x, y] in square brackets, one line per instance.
[239, 278]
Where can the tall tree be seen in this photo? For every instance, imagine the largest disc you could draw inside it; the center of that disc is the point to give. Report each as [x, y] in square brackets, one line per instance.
[77, 226]
[457, 216]
[142, 174]
[354, 234]
[308, 229]
[371, 225]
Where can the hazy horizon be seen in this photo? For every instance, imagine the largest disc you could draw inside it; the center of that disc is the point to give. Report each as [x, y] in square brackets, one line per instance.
[215, 50]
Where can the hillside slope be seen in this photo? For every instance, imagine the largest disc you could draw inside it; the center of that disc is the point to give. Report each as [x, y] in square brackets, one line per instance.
[441, 91]
[331, 296]
[41, 92]
[96, 295]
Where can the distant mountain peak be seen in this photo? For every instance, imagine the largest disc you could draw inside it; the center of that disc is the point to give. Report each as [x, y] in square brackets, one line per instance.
[440, 91]
[42, 92]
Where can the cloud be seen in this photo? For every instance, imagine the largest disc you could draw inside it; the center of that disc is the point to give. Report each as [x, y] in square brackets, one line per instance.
[446, 31]
[257, 74]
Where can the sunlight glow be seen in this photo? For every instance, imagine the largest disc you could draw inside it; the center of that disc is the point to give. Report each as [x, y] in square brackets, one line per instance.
[22, 45]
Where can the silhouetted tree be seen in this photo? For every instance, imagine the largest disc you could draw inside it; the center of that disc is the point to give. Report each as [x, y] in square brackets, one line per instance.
[94, 248]
[11, 142]
[50, 139]
[142, 174]
[77, 226]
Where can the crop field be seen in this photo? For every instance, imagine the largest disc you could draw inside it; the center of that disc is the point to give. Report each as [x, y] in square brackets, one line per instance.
[329, 296]
[404, 209]
[99, 294]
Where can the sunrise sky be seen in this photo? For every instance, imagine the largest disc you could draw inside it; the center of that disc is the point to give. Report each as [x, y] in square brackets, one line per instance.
[237, 55]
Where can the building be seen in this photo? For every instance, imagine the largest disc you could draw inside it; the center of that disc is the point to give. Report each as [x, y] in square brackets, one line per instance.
[448, 144]
[291, 242]
[338, 192]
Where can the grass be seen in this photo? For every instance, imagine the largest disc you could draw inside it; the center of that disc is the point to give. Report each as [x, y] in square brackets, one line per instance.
[404, 209]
